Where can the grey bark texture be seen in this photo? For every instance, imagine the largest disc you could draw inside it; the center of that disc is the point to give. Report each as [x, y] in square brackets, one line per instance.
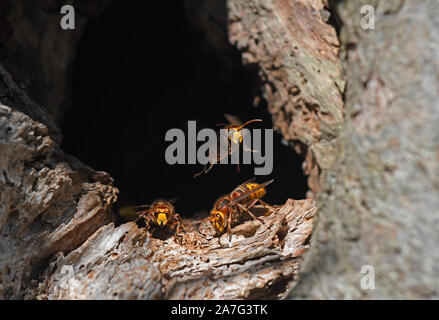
[49, 202]
[380, 200]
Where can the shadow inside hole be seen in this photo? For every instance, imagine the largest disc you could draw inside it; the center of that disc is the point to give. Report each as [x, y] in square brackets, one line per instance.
[163, 233]
[142, 70]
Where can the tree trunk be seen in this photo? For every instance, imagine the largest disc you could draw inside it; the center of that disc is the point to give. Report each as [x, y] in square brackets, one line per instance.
[380, 200]
[372, 167]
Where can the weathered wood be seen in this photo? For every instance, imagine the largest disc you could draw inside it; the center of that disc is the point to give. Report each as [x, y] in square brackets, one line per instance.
[127, 263]
[296, 52]
[49, 202]
[381, 198]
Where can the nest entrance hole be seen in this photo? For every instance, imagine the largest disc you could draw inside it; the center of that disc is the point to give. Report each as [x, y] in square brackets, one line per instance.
[143, 69]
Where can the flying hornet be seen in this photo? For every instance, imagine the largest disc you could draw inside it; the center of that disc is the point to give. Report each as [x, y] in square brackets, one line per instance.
[235, 128]
[234, 136]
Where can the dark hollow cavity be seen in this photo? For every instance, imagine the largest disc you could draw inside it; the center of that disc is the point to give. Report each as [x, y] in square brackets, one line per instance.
[142, 69]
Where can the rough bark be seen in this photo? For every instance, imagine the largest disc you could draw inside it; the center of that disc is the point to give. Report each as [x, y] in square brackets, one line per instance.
[381, 198]
[296, 52]
[128, 263]
[49, 202]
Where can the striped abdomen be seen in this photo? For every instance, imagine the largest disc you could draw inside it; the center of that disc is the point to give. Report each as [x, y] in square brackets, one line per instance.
[247, 187]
